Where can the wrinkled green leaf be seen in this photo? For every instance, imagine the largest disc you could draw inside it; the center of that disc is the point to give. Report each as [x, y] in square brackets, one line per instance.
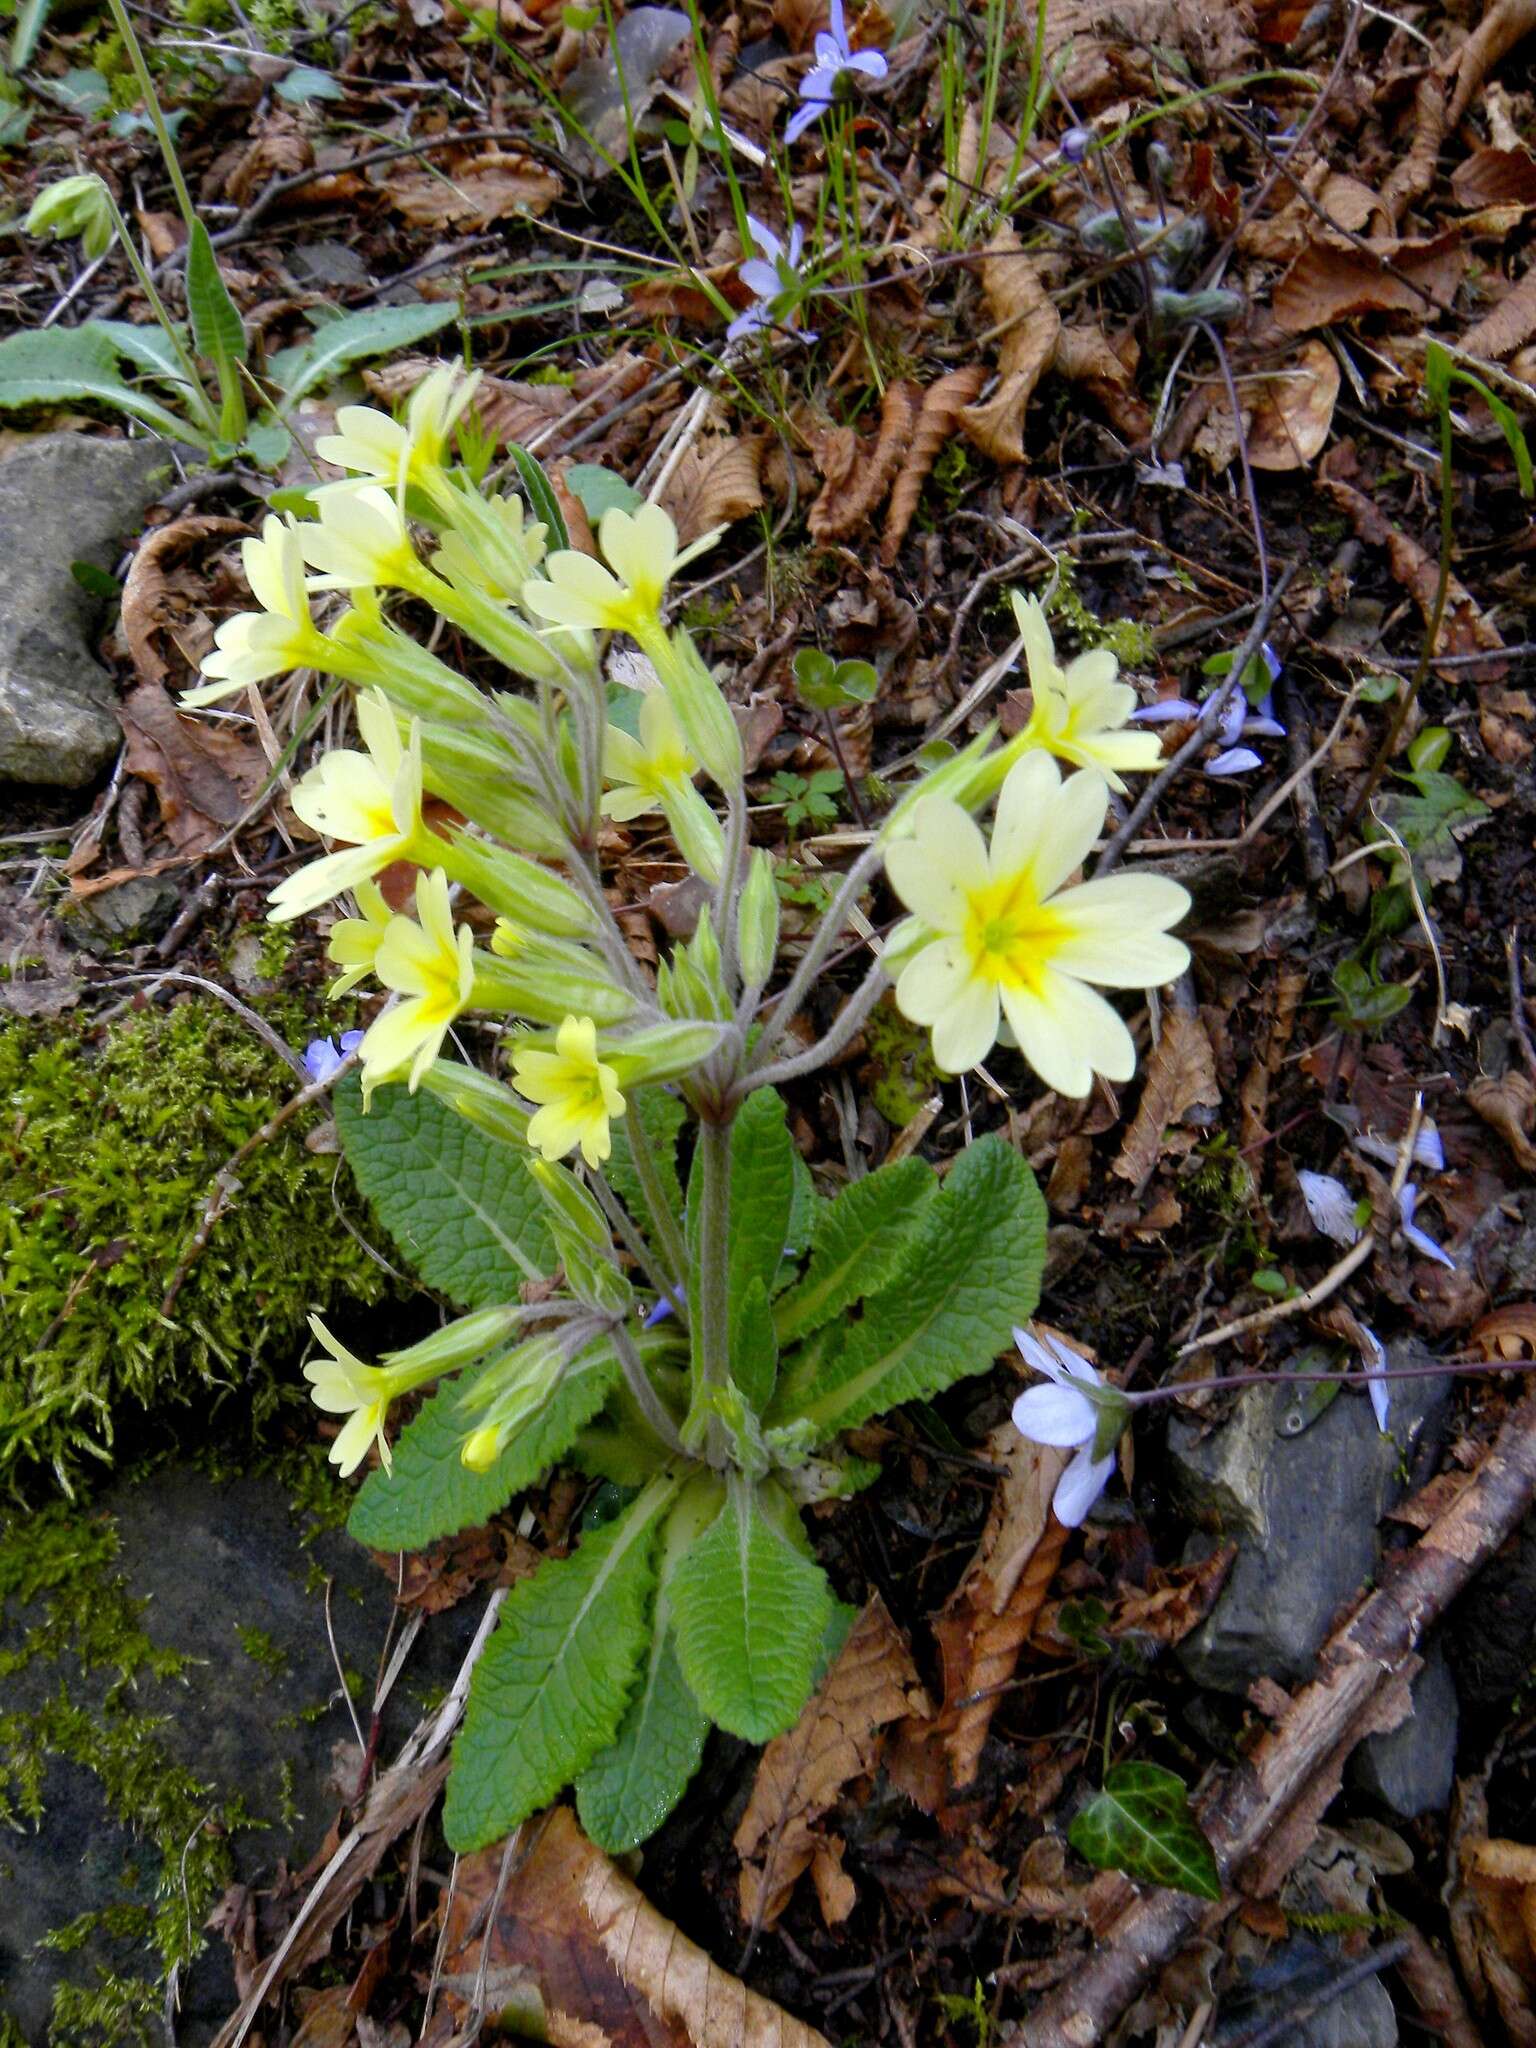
[149, 348]
[59, 365]
[353, 338]
[554, 1682]
[859, 1242]
[542, 502]
[753, 1346]
[461, 1205]
[971, 1274]
[626, 1792]
[306, 82]
[750, 1610]
[1141, 1823]
[432, 1493]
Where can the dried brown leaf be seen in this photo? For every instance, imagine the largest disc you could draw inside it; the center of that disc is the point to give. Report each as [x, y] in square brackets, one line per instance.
[1512, 322]
[1175, 1599]
[1013, 286]
[1181, 1075]
[1292, 412]
[1505, 22]
[1463, 629]
[491, 185]
[1495, 177]
[943, 403]
[204, 776]
[715, 482]
[582, 1959]
[1329, 281]
[147, 586]
[1413, 175]
[1086, 356]
[1507, 1333]
[858, 472]
[803, 1774]
[1508, 1106]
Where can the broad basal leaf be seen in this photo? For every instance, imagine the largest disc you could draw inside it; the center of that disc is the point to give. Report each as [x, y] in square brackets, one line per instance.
[461, 1205]
[626, 1792]
[147, 347]
[762, 1191]
[754, 1347]
[972, 1272]
[354, 338]
[553, 1683]
[432, 1493]
[750, 1611]
[1141, 1823]
[858, 1244]
[58, 365]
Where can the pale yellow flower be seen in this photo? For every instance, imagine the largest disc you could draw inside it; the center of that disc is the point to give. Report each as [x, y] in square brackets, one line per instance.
[360, 542]
[432, 965]
[579, 1092]
[372, 800]
[1080, 711]
[643, 771]
[354, 941]
[642, 552]
[343, 1385]
[254, 645]
[1009, 938]
[398, 453]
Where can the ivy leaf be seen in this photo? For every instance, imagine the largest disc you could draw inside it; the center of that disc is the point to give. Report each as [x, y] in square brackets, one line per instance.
[858, 1245]
[1141, 1823]
[432, 1493]
[460, 1204]
[554, 1682]
[971, 1273]
[750, 1610]
[626, 1793]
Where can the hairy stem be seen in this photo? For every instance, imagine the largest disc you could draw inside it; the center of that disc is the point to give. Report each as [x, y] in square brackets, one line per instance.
[730, 877]
[815, 955]
[629, 1236]
[638, 1381]
[850, 1020]
[664, 1231]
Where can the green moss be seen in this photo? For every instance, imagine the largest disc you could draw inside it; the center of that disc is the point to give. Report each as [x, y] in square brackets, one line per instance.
[901, 1074]
[108, 1154]
[1131, 643]
[261, 1649]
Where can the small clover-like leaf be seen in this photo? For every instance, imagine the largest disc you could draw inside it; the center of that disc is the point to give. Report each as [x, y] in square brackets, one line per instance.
[1141, 1823]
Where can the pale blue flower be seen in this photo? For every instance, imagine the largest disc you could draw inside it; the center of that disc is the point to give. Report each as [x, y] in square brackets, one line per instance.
[834, 60]
[773, 277]
[323, 1056]
[1427, 1148]
[1066, 1416]
[1421, 1241]
[1239, 721]
[1374, 1358]
[1330, 1205]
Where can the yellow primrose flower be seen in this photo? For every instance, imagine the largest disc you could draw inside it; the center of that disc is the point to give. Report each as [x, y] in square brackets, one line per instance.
[432, 965]
[645, 770]
[1080, 711]
[641, 550]
[343, 1385]
[579, 1092]
[1008, 936]
[354, 941]
[398, 453]
[361, 541]
[372, 800]
[254, 645]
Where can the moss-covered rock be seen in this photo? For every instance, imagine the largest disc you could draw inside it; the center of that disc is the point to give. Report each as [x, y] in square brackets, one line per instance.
[109, 1150]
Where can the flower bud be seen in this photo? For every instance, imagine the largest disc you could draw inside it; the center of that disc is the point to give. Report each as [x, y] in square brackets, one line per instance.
[75, 206]
[662, 1052]
[569, 1204]
[699, 708]
[695, 828]
[479, 1098]
[757, 921]
[546, 987]
[456, 1344]
[1075, 144]
[514, 887]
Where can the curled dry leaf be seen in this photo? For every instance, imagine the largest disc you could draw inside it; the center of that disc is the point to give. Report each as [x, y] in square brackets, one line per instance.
[1508, 1333]
[582, 1957]
[856, 473]
[1508, 1106]
[1013, 286]
[1086, 356]
[1463, 629]
[1287, 418]
[1330, 281]
[490, 185]
[715, 481]
[204, 776]
[1181, 1075]
[943, 403]
[149, 595]
[1495, 177]
[802, 1774]
[1493, 1922]
[1511, 323]
[1413, 175]
[1501, 27]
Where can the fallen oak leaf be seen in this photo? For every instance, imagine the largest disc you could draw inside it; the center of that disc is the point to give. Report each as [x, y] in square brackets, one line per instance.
[802, 1774]
[1330, 281]
[943, 404]
[576, 1949]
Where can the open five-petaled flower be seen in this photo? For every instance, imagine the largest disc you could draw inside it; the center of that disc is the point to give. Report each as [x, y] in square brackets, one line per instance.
[343, 1385]
[774, 280]
[834, 60]
[579, 1093]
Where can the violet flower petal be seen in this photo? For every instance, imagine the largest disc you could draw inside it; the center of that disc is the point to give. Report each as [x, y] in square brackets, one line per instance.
[1235, 761]
[1080, 1486]
[1330, 1205]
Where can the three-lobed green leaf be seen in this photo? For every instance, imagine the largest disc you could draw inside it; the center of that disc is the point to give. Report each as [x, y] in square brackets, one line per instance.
[431, 1492]
[1141, 1823]
[460, 1204]
[553, 1684]
[858, 1245]
[971, 1273]
[750, 1611]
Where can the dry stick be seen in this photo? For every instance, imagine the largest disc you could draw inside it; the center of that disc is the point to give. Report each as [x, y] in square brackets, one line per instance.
[1272, 1801]
[1210, 715]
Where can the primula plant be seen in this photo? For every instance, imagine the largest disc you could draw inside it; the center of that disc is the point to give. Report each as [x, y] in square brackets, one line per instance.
[655, 1292]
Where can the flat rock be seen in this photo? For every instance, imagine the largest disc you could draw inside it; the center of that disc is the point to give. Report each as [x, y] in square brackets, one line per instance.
[1411, 1768]
[1361, 2017]
[65, 498]
[1302, 1504]
[256, 1715]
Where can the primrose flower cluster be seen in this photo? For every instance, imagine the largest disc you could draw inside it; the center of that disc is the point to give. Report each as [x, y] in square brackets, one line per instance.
[497, 802]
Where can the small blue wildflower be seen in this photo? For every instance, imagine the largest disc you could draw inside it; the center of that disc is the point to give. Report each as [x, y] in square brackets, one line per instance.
[1407, 1203]
[1075, 144]
[323, 1056]
[1239, 721]
[661, 1310]
[1374, 1358]
[773, 277]
[834, 60]
[1427, 1148]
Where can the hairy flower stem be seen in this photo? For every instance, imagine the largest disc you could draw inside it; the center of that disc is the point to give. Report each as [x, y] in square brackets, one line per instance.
[646, 1398]
[664, 1231]
[730, 878]
[814, 958]
[709, 1293]
[845, 1027]
[207, 411]
[625, 1230]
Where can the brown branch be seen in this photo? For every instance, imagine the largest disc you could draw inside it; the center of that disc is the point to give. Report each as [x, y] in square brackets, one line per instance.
[1260, 1817]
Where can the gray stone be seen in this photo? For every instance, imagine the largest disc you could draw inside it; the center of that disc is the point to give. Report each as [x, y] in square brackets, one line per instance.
[139, 908]
[66, 498]
[335, 265]
[1361, 2017]
[1302, 1500]
[1411, 1768]
[227, 1580]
